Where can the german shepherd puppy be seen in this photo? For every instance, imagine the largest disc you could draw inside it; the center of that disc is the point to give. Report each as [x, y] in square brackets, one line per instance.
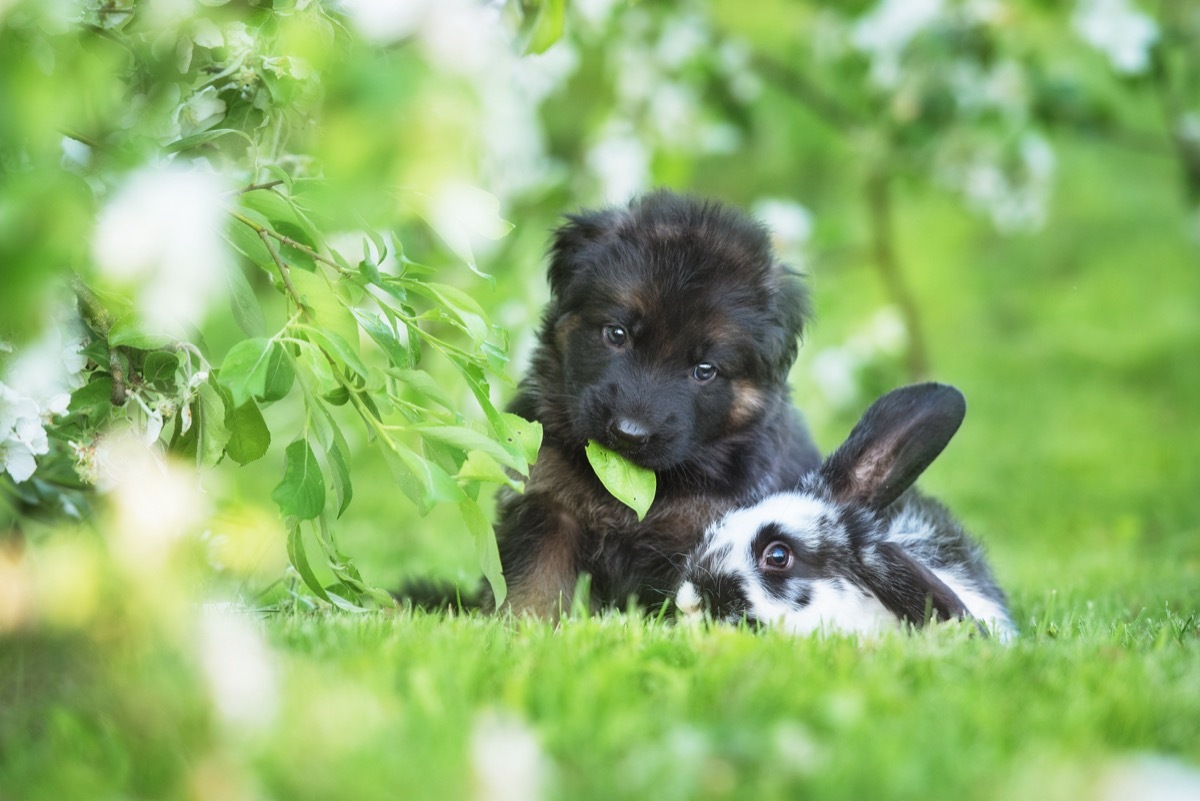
[668, 338]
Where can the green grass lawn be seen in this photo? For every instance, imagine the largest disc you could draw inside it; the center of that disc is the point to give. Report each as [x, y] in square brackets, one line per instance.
[417, 706]
[1077, 349]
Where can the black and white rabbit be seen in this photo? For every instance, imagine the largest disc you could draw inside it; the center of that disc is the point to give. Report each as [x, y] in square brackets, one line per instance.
[853, 548]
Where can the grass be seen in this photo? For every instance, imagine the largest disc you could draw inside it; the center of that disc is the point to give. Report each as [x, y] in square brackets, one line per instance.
[621, 707]
[1076, 349]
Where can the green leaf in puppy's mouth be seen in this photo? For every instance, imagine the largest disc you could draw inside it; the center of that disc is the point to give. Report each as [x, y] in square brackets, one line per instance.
[631, 484]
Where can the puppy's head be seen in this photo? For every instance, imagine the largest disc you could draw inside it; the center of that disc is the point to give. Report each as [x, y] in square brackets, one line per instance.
[671, 327]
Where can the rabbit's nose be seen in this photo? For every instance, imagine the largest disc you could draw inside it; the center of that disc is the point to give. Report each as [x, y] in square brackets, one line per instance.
[687, 600]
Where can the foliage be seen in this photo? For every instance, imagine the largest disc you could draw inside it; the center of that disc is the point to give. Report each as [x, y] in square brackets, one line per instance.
[231, 99]
[629, 483]
[270, 239]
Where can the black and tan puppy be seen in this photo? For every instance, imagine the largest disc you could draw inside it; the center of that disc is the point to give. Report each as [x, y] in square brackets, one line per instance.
[668, 337]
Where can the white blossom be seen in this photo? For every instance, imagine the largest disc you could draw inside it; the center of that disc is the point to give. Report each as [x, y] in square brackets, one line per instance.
[22, 434]
[1119, 30]
[621, 164]
[791, 226]
[159, 238]
[507, 760]
[1149, 777]
[385, 20]
[885, 32]
[239, 668]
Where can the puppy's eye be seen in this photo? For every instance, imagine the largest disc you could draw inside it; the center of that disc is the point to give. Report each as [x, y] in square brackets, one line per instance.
[615, 335]
[704, 372]
[776, 556]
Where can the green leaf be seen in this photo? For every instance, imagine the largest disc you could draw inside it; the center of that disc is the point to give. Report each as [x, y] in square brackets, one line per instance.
[547, 27]
[94, 399]
[420, 479]
[245, 240]
[485, 547]
[343, 490]
[330, 438]
[130, 332]
[280, 375]
[337, 347]
[213, 435]
[299, 560]
[466, 439]
[244, 371]
[281, 213]
[159, 369]
[325, 309]
[385, 337]
[249, 436]
[247, 312]
[188, 142]
[426, 386]
[479, 467]
[461, 306]
[312, 361]
[301, 493]
[629, 483]
[527, 435]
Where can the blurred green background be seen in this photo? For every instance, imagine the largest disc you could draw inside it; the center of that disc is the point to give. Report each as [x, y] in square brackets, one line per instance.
[1001, 195]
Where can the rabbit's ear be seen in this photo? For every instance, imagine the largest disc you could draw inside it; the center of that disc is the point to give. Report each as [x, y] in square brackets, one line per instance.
[893, 443]
[909, 589]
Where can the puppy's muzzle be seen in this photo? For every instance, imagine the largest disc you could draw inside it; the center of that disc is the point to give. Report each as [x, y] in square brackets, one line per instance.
[628, 435]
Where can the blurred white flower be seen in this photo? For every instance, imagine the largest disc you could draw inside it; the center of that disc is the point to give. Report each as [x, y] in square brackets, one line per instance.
[797, 749]
[835, 372]
[200, 112]
[1016, 199]
[1119, 30]
[385, 20]
[621, 164]
[507, 759]
[791, 226]
[238, 667]
[1149, 777]
[159, 238]
[683, 38]
[22, 434]
[466, 217]
[885, 31]
[513, 151]
[595, 13]
[464, 37]
[156, 501]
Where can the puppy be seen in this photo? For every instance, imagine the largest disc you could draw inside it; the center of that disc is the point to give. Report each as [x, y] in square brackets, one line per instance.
[668, 338]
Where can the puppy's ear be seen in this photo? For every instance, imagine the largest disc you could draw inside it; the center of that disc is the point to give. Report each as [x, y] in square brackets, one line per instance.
[893, 443]
[909, 589]
[791, 313]
[571, 241]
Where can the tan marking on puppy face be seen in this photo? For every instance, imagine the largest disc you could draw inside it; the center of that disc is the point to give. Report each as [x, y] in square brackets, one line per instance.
[563, 329]
[748, 402]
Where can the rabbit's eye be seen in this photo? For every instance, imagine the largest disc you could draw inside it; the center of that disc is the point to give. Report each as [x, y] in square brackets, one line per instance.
[776, 556]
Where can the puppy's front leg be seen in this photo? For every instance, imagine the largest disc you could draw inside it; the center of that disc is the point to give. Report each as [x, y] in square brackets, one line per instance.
[539, 547]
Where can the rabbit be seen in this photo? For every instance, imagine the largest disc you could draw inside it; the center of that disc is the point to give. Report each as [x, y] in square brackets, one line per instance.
[853, 548]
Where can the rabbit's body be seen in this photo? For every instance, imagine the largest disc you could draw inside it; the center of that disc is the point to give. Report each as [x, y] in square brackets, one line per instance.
[853, 548]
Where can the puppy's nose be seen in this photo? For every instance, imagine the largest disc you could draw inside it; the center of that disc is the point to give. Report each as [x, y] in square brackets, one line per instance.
[628, 434]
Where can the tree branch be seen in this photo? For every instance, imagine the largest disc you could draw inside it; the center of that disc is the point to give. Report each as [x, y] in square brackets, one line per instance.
[284, 271]
[824, 105]
[883, 251]
[264, 231]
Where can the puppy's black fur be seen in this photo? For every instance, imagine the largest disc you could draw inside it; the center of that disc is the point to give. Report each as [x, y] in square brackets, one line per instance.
[669, 335]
